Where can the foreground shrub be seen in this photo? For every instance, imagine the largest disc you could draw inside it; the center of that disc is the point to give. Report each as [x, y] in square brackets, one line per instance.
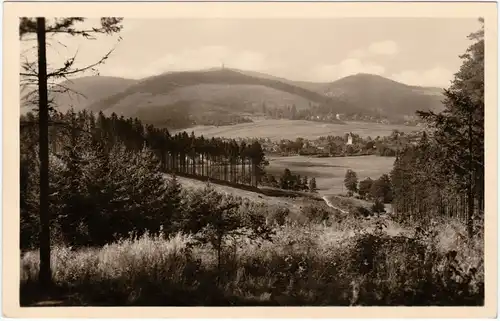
[315, 213]
[300, 265]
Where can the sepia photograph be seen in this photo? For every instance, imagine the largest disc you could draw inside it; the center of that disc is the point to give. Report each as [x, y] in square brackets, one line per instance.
[252, 161]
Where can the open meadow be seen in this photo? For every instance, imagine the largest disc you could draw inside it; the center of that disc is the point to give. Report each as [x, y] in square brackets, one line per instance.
[277, 129]
[329, 172]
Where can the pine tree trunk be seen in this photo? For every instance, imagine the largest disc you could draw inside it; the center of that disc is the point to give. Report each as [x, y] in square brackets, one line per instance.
[236, 169]
[209, 165]
[45, 274]
[226, 164]
[243, 170]
[200, 165]
[470, 211]
[233, 171]
[207, 162]
[470, 191]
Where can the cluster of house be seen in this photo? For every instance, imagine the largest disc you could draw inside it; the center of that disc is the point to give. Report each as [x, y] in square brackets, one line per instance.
[318, 144]
[323, 144]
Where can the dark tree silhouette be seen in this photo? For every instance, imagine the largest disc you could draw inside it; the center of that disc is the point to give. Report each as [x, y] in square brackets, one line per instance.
[351, 181]
[365, 187]
[38, 73]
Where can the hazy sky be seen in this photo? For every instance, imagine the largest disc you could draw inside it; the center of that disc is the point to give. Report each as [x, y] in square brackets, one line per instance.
[418, 51]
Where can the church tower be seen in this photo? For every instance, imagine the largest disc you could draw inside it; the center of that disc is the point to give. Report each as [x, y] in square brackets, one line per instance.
[349, 139]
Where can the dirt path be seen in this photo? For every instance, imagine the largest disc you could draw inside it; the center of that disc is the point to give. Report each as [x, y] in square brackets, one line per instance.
[327, 201]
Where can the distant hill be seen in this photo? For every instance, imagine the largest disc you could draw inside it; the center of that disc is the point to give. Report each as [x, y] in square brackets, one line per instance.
[379, 95]
[373, 94]
[90, 89]
[230, 95]
[221, 94]
[167, 84]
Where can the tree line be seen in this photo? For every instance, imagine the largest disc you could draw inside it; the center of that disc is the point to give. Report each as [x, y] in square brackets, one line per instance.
[443, 175]
[106, 180]
[289, 181]
[180, 153]
[184, 114]
[369, 189]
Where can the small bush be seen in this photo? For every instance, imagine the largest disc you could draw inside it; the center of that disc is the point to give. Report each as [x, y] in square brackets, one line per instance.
[378, 207]
[360, 211]
[315, 214]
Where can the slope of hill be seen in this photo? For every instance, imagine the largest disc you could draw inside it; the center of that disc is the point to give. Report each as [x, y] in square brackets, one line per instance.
[379, 95]
[372, 94]
[233, 97]
[228, 96]
[84, 91]
[166, 84]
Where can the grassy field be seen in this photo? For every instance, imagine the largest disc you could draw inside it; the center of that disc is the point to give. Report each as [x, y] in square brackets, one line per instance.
[276, 129]
[329, 172]
[303, 265]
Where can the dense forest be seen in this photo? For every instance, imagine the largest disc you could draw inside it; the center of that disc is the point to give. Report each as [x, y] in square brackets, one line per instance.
[183, 114]
[182, 153]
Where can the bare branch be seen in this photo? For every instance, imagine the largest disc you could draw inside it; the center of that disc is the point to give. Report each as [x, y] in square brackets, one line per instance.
[65, 71]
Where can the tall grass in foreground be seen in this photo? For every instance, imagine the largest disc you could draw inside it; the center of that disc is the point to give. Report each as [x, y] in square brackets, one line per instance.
[306, 265]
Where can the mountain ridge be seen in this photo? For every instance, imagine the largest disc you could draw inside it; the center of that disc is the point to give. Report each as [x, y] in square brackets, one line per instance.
[238, 92]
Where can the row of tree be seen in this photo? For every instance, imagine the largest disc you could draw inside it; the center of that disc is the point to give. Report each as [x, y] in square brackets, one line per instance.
[227, 160]
[289, 181]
